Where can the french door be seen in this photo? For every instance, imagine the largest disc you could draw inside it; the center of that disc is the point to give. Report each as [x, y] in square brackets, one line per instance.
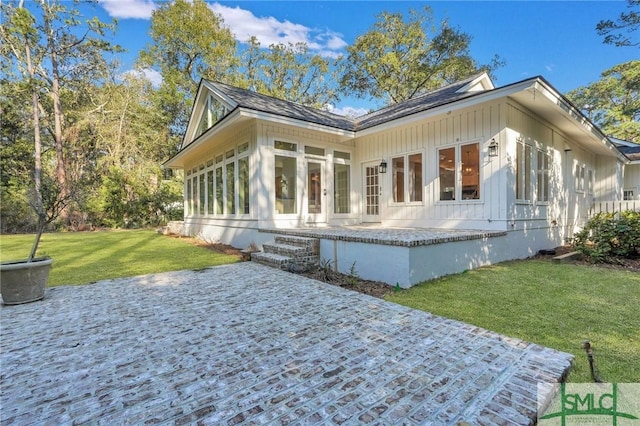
[316, 192]
[372, 191]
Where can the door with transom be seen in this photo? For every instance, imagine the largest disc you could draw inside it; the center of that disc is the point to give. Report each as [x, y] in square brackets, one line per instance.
[372, 191]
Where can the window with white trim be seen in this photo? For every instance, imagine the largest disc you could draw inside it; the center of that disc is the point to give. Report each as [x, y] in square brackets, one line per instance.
[459, 172]
[213, 111]
[628, 194]
[221, 185]
[579, 177]
[543, 175]
[523, 171]
[406, 172]
[341, 182]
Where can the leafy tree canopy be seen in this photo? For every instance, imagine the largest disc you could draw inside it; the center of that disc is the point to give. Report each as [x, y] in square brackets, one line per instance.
[613, 102]
[399, 59]
[621, 32]
[290, 72]
[189, 42]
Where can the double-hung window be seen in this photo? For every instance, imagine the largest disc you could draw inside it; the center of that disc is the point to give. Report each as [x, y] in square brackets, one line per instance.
[407, 178]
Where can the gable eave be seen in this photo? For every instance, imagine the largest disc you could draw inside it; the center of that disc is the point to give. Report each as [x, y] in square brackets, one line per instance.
[205, 88]
[548, 103]
[199, 145]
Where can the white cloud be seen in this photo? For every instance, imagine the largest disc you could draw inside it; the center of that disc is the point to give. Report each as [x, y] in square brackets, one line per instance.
[152, 75]
[347, 111]
[129, 9]
[268, 30]
[550, 67]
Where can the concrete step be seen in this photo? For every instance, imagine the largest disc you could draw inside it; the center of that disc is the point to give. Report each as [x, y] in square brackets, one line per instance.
[271, 259]
[284, 249]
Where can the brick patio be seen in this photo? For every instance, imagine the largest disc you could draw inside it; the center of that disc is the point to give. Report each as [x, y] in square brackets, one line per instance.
[247, 344]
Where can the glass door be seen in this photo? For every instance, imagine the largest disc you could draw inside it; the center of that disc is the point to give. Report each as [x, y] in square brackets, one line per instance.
[316, 192]
[372, 191]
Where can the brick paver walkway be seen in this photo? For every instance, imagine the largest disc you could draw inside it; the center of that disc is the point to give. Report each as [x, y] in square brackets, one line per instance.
[247, 344]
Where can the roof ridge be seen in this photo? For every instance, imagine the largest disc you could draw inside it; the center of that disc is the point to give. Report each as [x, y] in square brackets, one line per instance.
[255, 93]
[417, 98]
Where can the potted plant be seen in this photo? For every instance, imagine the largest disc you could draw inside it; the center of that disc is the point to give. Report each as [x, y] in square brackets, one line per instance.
[23, 281]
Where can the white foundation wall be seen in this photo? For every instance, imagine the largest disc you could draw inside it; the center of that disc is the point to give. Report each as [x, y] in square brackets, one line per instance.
[239, 234]
[408, 266]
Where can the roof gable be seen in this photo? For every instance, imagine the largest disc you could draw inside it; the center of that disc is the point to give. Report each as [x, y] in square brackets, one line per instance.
[248, 99]
[244, 98]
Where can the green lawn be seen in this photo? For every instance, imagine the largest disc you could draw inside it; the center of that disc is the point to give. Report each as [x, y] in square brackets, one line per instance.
[558, 306]
[84, 257]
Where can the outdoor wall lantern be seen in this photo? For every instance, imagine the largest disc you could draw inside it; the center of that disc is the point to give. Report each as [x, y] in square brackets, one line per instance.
[493, 148]
[382, 168]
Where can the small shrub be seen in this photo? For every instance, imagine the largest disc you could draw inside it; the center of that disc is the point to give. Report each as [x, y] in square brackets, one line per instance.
[352, 278]
[607, 237]
[325, 270]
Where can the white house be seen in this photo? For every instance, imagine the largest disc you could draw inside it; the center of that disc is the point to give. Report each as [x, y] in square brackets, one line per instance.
[631, 189]
[516, 167]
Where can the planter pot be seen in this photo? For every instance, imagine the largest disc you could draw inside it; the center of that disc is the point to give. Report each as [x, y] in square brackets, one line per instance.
[22, 281]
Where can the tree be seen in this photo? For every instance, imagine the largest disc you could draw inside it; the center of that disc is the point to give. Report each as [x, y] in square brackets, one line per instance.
[613, 102]
[620, 32]
[119, 138]
[58, 52]
[400, 59]
[189, 43]
[290, 72]
[20, 39]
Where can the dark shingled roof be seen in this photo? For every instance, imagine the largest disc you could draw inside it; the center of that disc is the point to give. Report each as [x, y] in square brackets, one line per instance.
[258, 102]
[631, 152]
[425, 102]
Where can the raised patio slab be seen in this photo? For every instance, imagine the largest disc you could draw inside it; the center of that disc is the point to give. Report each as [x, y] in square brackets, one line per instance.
[247, 344]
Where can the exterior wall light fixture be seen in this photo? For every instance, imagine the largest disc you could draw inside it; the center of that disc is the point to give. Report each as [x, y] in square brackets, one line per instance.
[493, 148]
[382, 168]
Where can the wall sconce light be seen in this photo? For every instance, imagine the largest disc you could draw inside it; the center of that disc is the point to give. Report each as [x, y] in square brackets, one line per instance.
[493, 148]
[382, 168]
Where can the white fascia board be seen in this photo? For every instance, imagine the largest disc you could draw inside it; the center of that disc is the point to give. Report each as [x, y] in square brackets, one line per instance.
[574, 115]
[483, 80]
[195, 112]
[203, 91]
[222, 97]
[273, 118]
[226, 122]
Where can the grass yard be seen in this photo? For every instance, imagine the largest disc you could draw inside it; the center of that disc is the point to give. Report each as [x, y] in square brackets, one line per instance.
[85, 257]
[558, 306]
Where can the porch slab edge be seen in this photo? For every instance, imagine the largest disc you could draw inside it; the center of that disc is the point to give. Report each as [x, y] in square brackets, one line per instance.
[402, 237]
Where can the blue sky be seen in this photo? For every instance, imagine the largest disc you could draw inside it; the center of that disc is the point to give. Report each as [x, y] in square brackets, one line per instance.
[550, 38]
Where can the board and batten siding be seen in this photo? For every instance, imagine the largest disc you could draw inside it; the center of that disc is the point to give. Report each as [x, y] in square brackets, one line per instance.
[479, 124]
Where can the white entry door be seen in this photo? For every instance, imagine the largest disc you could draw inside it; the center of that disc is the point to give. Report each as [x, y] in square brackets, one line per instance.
[316, 192]
[372, 191]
